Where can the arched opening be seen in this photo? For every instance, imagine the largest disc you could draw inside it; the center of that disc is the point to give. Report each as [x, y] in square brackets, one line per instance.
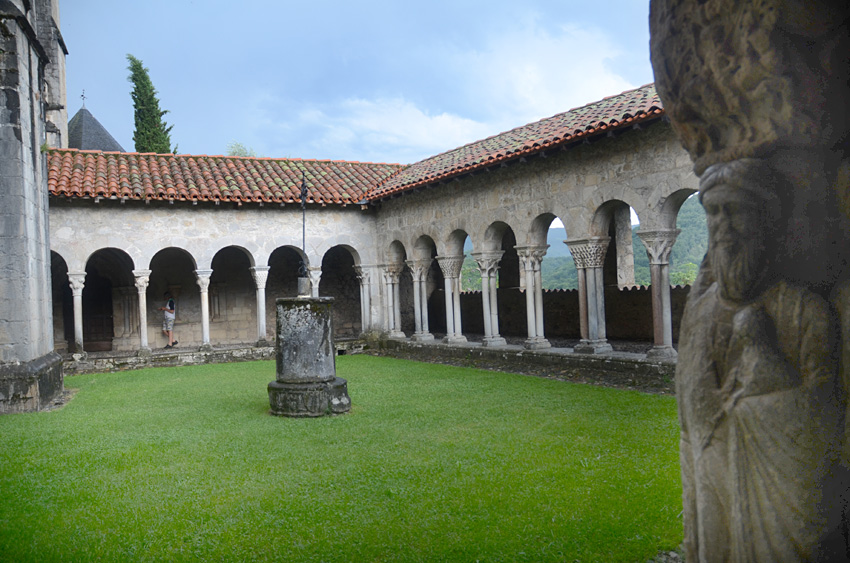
[284, 267]
[106, 313]
[404, 309]
[63, 305]
[339, 280]
[173, 271]
[232, 297]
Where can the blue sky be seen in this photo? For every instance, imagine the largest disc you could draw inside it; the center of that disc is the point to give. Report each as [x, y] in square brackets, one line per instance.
[379, 81]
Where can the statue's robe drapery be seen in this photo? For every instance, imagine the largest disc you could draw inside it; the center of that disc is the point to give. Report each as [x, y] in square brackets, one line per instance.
[761, 425]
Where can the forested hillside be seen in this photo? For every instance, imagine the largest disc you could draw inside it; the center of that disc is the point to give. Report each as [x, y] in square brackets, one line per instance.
[559, 271]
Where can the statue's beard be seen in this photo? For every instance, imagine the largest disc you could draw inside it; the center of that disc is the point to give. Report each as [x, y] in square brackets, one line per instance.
[738, 268]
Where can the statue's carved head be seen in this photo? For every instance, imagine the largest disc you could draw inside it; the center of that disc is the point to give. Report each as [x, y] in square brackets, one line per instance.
[743, 212]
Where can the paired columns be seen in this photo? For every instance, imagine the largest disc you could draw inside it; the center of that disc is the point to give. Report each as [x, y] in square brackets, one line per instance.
[451, 265]
[658, 245]
[203, 279]
[77, 281]
[392, 275]
[589, 257]
[530, 258]
[363, 275]
[419, 269]
[261, 275]
[488, 265]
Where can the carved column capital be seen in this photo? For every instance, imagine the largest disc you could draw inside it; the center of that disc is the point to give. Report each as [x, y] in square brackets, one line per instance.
[419, 268]
[203, 278]
[451, 265]
[142, 278]
[393, 271]
[531, 256]
[362, 274]
[261, 275]
[659, 244]
[77, 281]
[488, 261]
[589, 252]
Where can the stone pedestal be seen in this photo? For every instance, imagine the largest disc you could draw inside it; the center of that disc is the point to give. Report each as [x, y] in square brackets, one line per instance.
[306, 384]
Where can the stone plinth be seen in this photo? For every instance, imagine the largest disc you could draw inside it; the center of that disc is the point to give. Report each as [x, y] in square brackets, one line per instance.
[306, 383]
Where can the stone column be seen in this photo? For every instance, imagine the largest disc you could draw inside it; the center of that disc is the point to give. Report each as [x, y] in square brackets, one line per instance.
[419, 270]
[261, 275]
[589, 257]
[142, 277]
[451, 265]
[362, 274]
[488, 265]
[203, 277]
[392, 273]
[658, 245]
[530, 258]
[77, 281]
[315, 274]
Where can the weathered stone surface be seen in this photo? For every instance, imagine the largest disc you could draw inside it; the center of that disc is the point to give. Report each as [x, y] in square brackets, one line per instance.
[306, 384]
[757, 93]
[32, 385]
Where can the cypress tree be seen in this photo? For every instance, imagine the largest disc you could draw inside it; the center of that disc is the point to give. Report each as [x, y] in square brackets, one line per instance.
[151, 134]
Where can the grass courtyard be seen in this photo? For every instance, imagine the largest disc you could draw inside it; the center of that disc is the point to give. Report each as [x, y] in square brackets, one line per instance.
[434, 463]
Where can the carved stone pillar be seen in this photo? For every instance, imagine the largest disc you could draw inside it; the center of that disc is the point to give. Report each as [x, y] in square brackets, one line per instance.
[488, 265]
[530, 258]
[77, 281]
[261, 275]
[658, 245]
[315, 273]
[142, 278]
[203, 278]
[392, 275]
[419, 269]
[757, 94]
[451, 266]
[589, 257]
[362, 273]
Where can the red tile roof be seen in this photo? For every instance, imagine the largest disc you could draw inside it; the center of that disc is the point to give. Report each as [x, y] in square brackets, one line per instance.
[91, 174]
[611, 113]
[164, 177]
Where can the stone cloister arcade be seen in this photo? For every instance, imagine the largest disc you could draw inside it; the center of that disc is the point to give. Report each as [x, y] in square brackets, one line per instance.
[393, 267]
[223, 237]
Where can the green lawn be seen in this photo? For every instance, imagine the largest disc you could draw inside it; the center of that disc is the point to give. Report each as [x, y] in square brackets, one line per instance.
[434, 463]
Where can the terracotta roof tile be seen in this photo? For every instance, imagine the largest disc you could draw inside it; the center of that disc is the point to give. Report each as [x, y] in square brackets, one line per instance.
[613, 112]
[148, 176]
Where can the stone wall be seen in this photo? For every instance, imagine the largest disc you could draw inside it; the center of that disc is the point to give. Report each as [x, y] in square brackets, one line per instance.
[29, 371]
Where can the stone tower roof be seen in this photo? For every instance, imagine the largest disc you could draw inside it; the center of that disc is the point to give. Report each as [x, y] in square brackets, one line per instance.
[85, 132]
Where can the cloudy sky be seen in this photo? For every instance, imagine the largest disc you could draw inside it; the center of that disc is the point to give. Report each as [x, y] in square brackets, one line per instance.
[380, 81]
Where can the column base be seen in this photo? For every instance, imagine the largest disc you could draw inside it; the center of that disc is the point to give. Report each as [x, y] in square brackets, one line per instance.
[263, 343]
[397, 334]
[455, 339]
[80, 356]
[536, 343]
[313, 399]
[422, 337]
[144, 352]
[490, 341]
[593, 347]
[662, 353]
[205, 347]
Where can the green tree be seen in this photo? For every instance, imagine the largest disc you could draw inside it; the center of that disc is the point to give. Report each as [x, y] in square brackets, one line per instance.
[152, 133]
[235, 148]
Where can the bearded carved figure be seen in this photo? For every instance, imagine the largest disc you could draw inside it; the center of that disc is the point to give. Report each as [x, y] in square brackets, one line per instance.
[756, 92]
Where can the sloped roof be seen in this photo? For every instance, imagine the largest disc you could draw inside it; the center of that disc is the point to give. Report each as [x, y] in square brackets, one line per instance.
[85, 132]
[168, 177]
[611, 113]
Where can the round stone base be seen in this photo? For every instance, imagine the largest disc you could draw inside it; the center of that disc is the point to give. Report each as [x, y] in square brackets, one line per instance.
[309, 399]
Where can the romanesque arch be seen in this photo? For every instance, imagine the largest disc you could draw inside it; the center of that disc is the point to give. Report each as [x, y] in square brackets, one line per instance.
[63, 304]
[339, 280]
[232, 296]
[107, 309]
[175, 271]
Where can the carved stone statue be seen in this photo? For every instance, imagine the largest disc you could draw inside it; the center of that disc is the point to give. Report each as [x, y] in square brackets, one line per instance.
[757, 389]
[757, 93]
